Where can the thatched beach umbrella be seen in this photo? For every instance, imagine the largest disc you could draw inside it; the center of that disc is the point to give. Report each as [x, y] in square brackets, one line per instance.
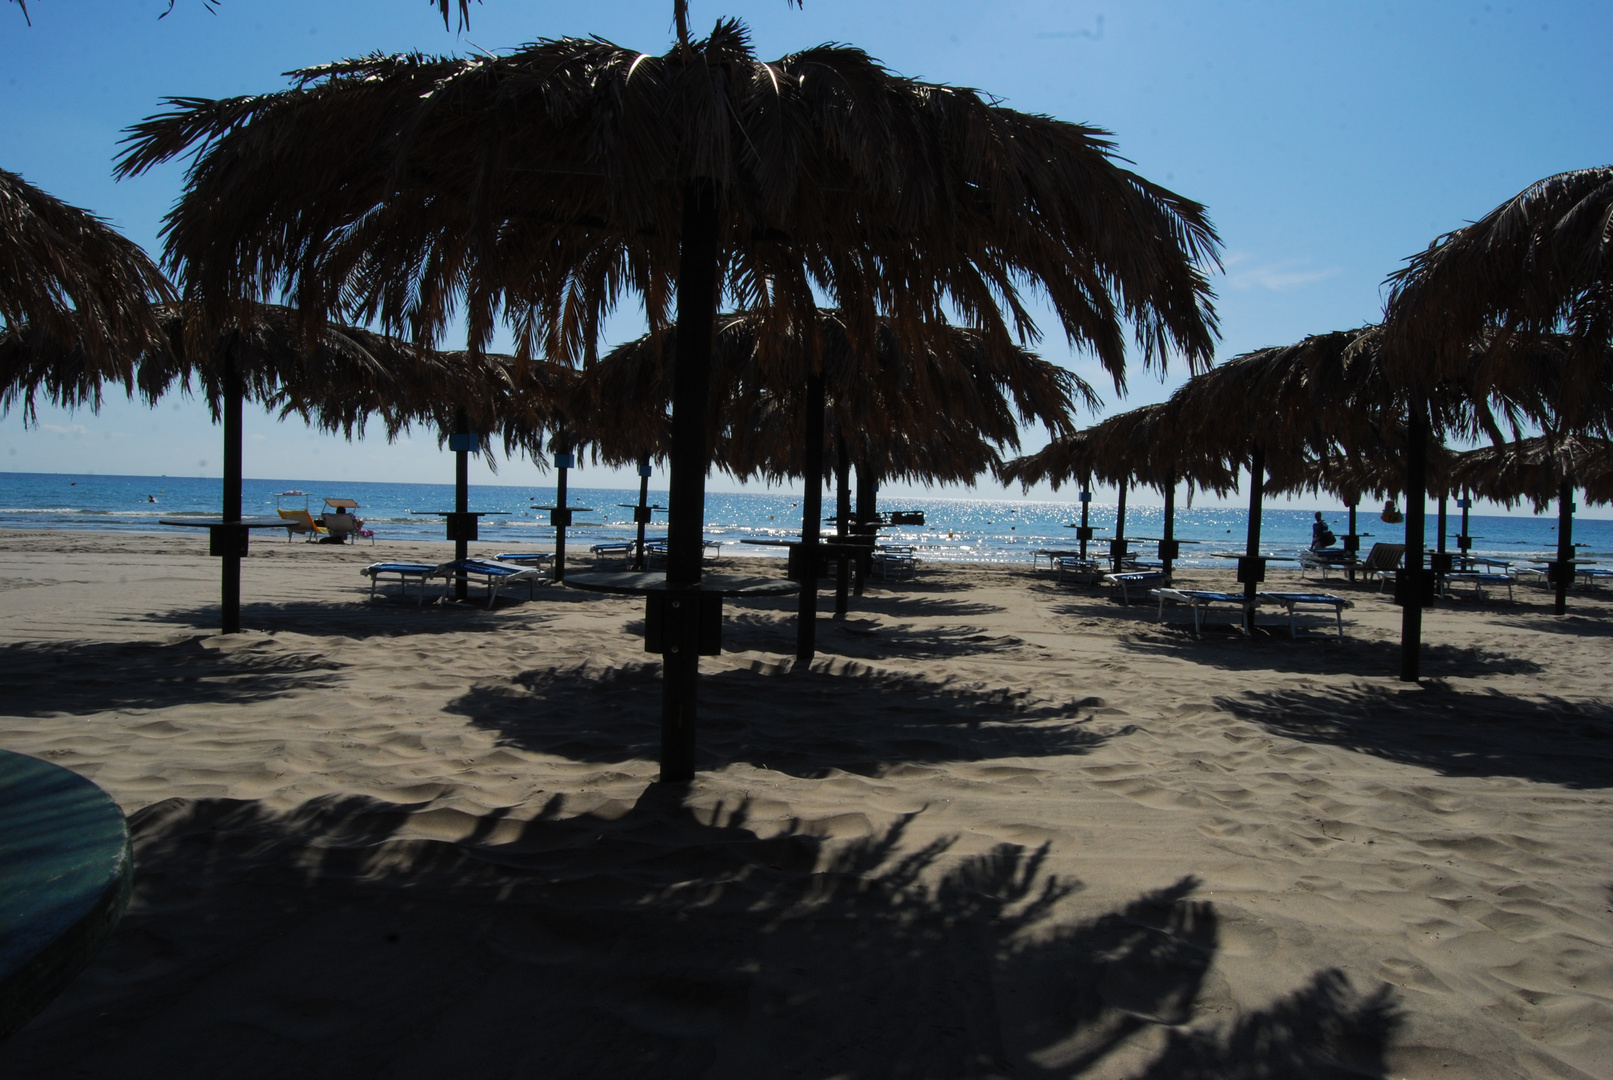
[1271, 408]
[937, 417]
[1537, 264]
[1142, 446]
[72, 279]
[540, 185]
[338, 379]
[1539, 470]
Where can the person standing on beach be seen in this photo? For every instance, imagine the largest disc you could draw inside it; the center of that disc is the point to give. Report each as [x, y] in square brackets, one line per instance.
[1321, 535]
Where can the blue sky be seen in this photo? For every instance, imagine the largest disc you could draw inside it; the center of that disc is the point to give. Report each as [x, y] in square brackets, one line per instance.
[1329, 141]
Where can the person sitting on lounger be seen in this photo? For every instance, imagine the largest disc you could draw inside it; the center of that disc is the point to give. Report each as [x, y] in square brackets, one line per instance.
[1321, 536]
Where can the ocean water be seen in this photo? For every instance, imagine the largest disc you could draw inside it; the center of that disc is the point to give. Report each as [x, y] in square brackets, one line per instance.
[957, 530]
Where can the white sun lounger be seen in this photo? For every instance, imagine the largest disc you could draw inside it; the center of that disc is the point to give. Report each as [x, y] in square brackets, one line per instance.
[1294, 601]
[1199, 600]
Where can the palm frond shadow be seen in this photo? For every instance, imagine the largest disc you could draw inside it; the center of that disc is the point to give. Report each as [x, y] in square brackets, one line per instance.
[1316, 652]
[853, 636]
[864, 723]
[1579, 625]
[899, 606]
[646, 941]
[390, 617]
[1455, 733]
[79, 679]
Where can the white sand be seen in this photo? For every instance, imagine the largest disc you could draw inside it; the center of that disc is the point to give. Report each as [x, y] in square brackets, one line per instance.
[999, 828]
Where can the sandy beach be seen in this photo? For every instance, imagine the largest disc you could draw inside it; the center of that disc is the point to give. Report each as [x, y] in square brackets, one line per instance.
[999, 828]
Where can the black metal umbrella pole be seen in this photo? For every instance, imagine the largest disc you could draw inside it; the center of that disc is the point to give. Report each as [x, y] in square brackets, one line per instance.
[641, 513]
[235, 539]
[1252, 568]
[842, 522]
[1167, 542]
[1409, 588]
[686, 502]
[1564, 570]
[806, 627]
[867, 518]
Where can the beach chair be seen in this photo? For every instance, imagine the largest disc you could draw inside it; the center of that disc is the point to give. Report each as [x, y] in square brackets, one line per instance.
[494, 576]
[1478, 579]
[342, 528]
[613, 556]
[1294, 601]
[1079, 570]
[1052, 555]
[301, 523]
[1198, 601]
[1325, 560]
[537, 560]
[1136, 581]
[1592, 574]
[1384, 562]
[419, 573]
[891, 563]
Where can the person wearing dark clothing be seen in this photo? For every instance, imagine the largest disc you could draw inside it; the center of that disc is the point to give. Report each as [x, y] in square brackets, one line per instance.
[1321, 535]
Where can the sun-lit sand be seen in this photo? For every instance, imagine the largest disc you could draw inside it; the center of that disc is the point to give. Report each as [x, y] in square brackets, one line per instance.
[999, 828]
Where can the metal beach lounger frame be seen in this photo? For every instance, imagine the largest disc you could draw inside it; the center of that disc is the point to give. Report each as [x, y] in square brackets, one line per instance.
[494, 575]
[1294, 601]
[1199, 600]
[404, 571]
[1145, 580]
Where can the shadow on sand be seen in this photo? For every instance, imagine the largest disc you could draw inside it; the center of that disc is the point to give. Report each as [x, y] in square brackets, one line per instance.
[84, 678]
[1452, 732]
[859, 721]
[1318, 654]
[359, 618]
[343, 938]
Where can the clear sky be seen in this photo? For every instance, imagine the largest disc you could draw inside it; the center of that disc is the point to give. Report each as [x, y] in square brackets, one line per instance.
[1329, 140]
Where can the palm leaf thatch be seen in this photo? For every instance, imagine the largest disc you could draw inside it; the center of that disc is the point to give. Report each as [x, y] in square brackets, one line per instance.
[1350, 476]
[543, 184]
[338, 380]
[1540, 263]
[978, 396]
[68, 274]
[1142, 446]
[1535, 469]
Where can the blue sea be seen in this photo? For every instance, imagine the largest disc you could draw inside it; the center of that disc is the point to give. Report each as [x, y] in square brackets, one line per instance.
[957, 530]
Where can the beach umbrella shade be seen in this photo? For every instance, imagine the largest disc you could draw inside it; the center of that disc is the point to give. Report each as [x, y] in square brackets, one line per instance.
[935, 417]
[1539, 470]
[1142, 446]
[79, 286]
[1536, 264]
[538, 186]
[336, 378]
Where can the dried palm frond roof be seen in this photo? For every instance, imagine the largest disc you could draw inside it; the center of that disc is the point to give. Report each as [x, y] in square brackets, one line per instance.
[1143, 446]
[1351, 475]
[1541, 262]
[70, 274]
[337, 379]
[1535, 469]
[975, 396]
[538, 186]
